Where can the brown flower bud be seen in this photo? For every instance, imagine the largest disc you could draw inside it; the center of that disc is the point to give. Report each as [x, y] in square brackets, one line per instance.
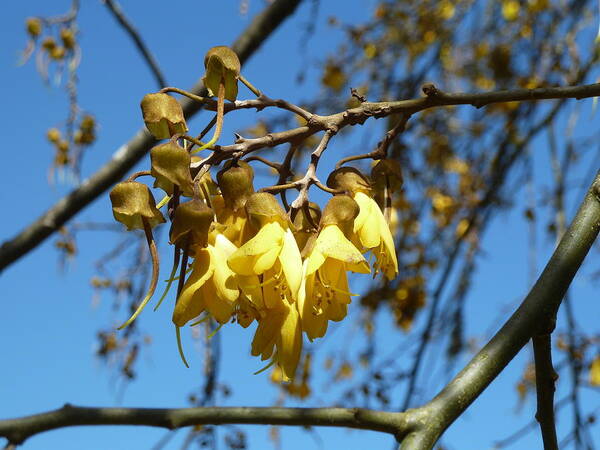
[191, 223]
[62, 146]
[34, 26]
[87, 124]
[348, 179]
[163, 115]
[222, 63]
[49, 43]
[67, 35]
[387, 169]
[236, 183]
[341, 210]
[57, 53]
[304, 228]
[171, 166]
[132, 201]
[263, 208]
[53, 135]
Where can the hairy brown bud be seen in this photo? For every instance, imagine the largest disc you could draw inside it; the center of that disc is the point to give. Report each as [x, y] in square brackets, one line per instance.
[236, 183]
[263, 208]
[341, 210]
[67, 36]
[163, 115]
[348, 179]
[191, 223]
[387, 171]
[34, 26]
[132, 201]
[304, 227]
[170, 166]
[222, 63]
[53, 135]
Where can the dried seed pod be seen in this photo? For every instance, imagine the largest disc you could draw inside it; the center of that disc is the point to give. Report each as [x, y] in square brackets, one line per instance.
[222, 63]
[163, 115]
[132, 201]
[171, 166]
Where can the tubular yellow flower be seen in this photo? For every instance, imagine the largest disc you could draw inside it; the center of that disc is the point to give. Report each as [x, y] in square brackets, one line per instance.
[273, 252]
[325, 295]
[374, 233]
[280, 329]
[211, 286]
[371, 228]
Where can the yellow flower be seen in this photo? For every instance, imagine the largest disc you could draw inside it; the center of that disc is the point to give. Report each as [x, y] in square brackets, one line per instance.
[279, 336]
[325, 295]
[235, 225]
[211, 286]
[273, 253]
[374, 233]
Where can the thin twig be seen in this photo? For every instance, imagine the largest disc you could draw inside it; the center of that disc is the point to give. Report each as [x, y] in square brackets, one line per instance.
[545, 377]
[118, 14]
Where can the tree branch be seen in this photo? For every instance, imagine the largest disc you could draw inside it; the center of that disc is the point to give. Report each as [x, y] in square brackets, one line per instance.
[118, 14]
[134, 150]
[545, 377]
[18, 430]
[539, 306]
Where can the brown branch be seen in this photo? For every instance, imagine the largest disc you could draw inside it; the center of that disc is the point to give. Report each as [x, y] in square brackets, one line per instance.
[130, 153]
[18, 430]
[545, 377]
[407, 108]
[528, 320]
[383, 145]
[118, 14]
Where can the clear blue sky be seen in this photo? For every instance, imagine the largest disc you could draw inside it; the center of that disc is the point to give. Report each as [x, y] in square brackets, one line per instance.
[48, 323]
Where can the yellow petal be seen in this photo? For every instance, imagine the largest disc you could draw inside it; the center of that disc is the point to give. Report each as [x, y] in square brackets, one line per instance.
[290, 345]
[188, 305]
[223, 277]
[291, 263]
[220, 308]
[253, 257]
[249, 285]
[267, 332]
[364, 210]
[333, 244]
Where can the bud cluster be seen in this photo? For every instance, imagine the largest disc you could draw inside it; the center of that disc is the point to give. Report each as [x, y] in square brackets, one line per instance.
[240, 256]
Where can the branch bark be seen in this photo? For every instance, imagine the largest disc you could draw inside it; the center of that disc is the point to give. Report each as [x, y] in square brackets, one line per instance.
[18, 430]
[134, 150]
[545, 377]
[539, 306]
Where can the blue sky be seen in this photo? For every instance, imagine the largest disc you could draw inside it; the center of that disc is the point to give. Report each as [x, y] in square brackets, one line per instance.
[48, 322]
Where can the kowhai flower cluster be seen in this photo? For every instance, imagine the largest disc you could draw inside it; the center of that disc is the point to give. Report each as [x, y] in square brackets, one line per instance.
[241, 258]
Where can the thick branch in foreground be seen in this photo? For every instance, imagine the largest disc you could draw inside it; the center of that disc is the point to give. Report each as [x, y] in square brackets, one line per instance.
[133, 151]
[537, 309]
[18, 430]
